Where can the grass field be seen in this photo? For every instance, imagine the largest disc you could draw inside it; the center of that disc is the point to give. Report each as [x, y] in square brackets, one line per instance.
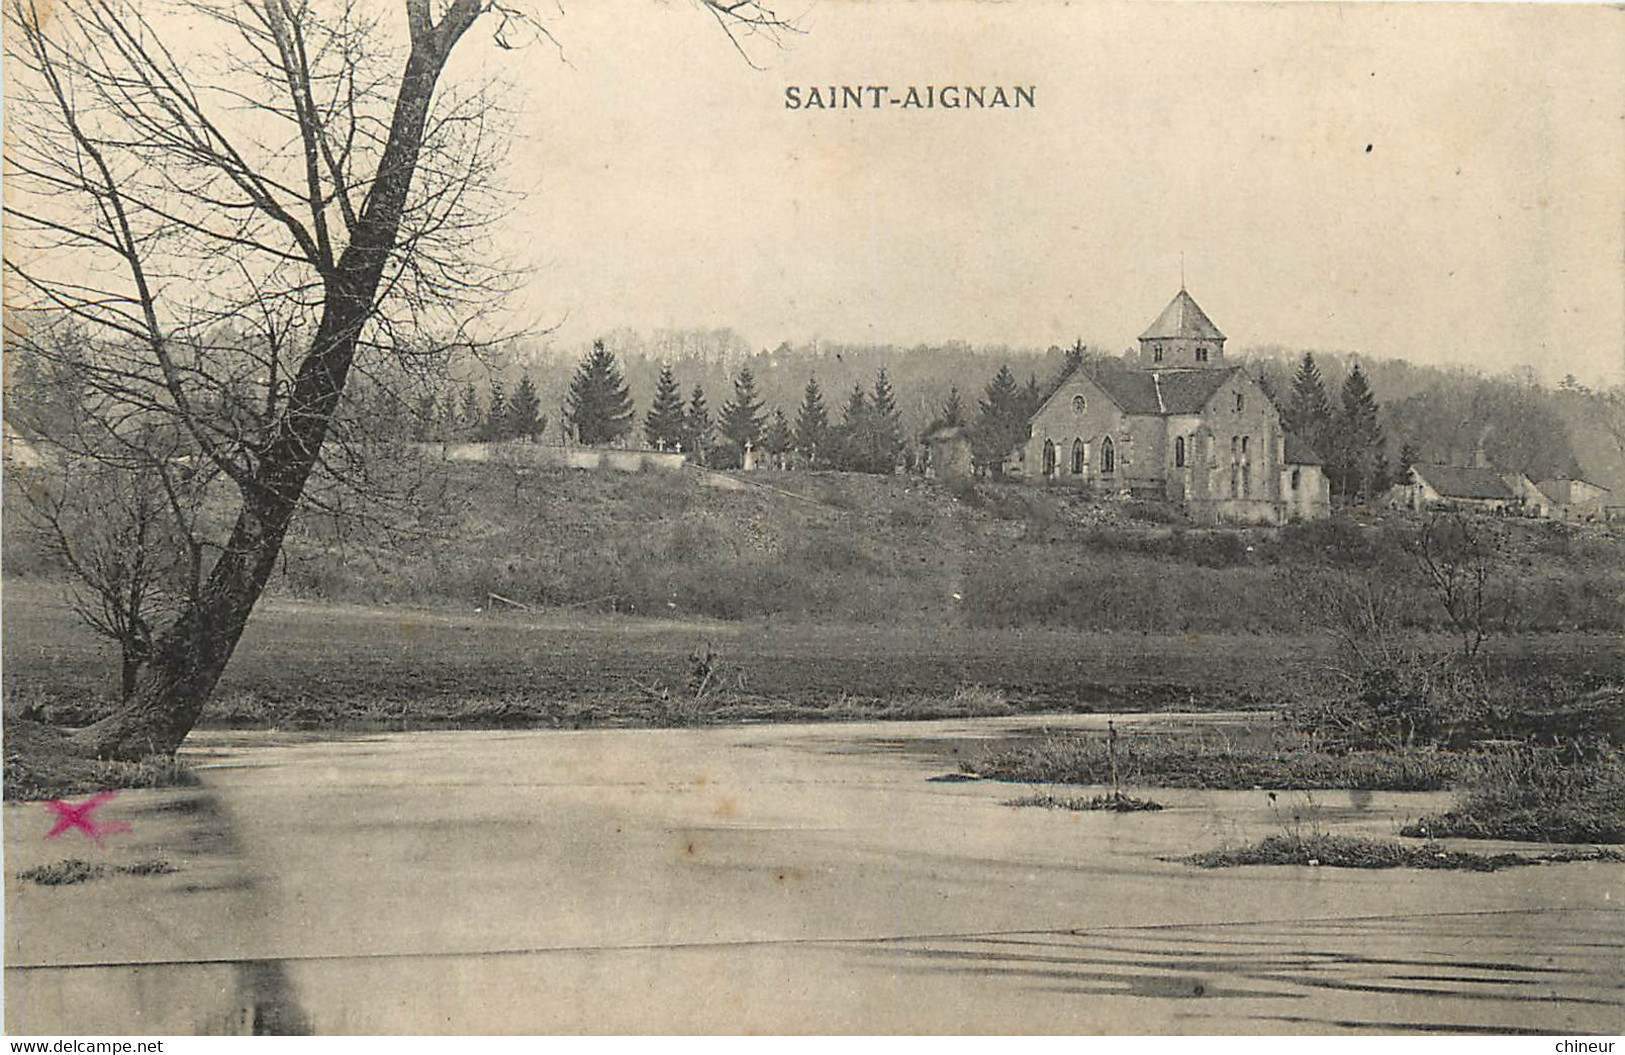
[311, 663]
[304, 664]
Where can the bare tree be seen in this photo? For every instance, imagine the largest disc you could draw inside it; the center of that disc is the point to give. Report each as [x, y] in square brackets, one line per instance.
[238, 231]
[1460, 559]
[123, 534]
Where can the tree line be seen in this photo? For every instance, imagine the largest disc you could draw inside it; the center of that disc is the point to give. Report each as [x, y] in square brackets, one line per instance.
[865, 433]
[466, 417]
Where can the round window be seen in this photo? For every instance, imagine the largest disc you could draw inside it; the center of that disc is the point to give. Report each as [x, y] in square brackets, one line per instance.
[1079, 404]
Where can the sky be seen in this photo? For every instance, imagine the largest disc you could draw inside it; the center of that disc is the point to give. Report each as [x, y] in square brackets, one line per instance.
[1433, 182]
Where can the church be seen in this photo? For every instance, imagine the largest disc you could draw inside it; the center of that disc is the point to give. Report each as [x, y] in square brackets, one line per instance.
[1178, 424]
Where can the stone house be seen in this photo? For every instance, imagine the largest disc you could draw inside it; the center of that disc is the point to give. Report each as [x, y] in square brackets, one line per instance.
[1467, 487]
[1575, 499]
[1531, 499]
[1179, 424]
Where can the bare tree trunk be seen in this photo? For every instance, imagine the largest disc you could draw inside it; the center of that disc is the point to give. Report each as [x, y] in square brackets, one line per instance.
[190, 655]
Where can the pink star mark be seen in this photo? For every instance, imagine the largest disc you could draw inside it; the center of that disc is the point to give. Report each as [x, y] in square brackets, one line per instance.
[70, 817]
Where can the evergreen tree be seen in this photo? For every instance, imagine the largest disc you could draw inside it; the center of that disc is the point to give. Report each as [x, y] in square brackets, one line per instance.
[697, 427]
[1358, 438]
[953, 409]
[1381, 474]
[1309, 412]
[525, 418]
[1032, 397]
[812, 425]
[850, 439]
[599, 407]
[778, 439]
[664, 427]
[1002, 426]
[1408, 457]
[471, 419]
[884, 436]
[741, 421]
[495, 425]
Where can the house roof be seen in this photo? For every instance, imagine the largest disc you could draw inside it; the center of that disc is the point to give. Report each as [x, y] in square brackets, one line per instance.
[1458, 481]
[1299, 452]
[1560, 489]
[1161, 392]
[1183, 317]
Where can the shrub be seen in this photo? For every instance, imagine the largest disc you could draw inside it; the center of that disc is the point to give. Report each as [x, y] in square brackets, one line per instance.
[1284, 762]
[1537, 794]
[965, 490]
[1152, 512]
[1350, 851]
[1413, 702]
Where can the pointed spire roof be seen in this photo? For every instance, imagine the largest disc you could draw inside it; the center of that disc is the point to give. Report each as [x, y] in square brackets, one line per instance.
[1183, 317]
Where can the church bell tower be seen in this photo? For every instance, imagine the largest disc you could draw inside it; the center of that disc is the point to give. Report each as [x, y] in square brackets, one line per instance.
[1182, 338]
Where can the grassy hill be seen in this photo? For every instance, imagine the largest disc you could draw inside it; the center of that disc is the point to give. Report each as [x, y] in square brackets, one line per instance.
[824, 595]
[851, 549]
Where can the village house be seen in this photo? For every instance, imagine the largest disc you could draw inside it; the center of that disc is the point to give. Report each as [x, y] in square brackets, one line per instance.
[1473, 487]
[1486, 489]
[1180, 424]
[1575, 499]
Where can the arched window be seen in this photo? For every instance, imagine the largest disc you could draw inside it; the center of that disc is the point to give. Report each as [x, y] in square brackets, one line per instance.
[1049, 458]
[1108, 457]
[1240, 402]
[1295, 480]
[1079, 404]
[1156, 353]
[1078, 457]
[1179, 452]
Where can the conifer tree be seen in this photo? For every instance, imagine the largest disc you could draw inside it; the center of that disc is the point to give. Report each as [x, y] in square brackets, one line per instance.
[664, 427]
[812, 425]
[697, 427]
[953, 409]
[884, 439]
[1359, 438]
[1309, 410]
[741, 420]
[525, 418]
[850, 437]
[599, 407]
[495, 425]
[1031, 398]
[471, 419]
[778, 439]
[1002, 426]
[1408, 457]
